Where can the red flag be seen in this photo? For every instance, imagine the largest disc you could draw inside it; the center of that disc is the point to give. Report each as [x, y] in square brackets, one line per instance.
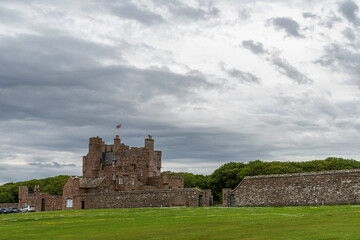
[118, 126]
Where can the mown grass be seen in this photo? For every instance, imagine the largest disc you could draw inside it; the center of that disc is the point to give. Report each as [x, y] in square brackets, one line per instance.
[323, 222]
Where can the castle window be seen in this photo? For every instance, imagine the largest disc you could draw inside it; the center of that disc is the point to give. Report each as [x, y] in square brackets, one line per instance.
[154, 174]
[113, 176]
[141, 172]
[132, 180]
[113, 163]
[121, 180]
[69, 203]
[106, 189]
[154, 161]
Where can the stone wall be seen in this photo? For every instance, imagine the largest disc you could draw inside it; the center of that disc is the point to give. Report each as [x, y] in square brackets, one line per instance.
[226, 197]
[165, 181]
[319, 188]
[138, 199]
[6, 205]
[41, 201]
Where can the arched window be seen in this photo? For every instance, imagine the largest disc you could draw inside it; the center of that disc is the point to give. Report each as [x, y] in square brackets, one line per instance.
[69, 203]
[154, 174]
[141, 172]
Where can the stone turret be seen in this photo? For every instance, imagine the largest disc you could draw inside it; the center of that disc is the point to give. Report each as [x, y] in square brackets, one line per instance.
[91, 162]
[95, 144]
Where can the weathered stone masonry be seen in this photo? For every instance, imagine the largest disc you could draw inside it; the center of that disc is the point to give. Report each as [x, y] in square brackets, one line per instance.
[136, 199]
[6, 205]
[41, 201]
[317, 188]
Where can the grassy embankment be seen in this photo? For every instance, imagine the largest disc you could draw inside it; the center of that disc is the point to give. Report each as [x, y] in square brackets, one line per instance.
[323, 222]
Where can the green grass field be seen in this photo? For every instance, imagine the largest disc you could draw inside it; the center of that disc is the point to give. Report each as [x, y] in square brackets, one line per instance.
[323, 222]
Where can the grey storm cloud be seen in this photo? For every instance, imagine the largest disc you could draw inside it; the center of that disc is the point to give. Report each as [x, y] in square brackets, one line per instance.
[9, 16]
[54, 87]
[331, 20]
[51, 165]
[11, 173]
[244, 14]
[60, 59]
[309, 15]
[244, 77]
[349, 10]
[290, 26]
[254, 47]
[287, 69]
[282, 65]
[185, 11]
[129, 10]
[349, 34]
[338, 57]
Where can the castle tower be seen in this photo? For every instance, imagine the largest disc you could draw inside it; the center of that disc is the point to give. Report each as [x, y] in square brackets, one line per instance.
[23, 194]
[154, 160]
[95, 144]
[91, 162]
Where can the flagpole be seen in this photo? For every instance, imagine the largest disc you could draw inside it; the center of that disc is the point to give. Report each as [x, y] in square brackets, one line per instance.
[118, 127]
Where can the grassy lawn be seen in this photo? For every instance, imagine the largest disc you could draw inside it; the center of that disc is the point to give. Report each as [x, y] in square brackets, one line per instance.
[323, 222]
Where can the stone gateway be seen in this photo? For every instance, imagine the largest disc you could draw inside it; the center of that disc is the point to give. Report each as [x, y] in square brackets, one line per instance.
[117, 176]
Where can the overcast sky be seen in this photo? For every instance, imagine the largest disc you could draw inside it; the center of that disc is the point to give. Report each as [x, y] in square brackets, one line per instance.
[211, 81]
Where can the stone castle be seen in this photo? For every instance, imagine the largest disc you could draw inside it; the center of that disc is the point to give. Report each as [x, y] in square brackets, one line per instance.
[127, 169]
[116, 176]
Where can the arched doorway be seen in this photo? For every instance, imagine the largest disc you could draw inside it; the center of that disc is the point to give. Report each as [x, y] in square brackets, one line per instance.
[42, 204]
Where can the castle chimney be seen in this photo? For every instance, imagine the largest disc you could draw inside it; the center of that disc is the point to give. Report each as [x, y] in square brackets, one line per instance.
[117, 142]
[37, 189]
[149, 143]
[103, 146]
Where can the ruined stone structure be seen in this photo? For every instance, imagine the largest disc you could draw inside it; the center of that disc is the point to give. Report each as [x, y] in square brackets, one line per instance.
[117, 176]
[316, 188]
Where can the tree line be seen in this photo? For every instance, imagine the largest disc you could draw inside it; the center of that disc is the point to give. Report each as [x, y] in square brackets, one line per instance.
[52, 185]
[228, 175]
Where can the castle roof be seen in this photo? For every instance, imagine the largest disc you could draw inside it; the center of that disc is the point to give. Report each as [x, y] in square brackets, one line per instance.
[108, 157]
[91, 182]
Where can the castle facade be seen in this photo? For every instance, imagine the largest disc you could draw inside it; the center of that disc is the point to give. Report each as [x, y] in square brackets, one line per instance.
[116, 176]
